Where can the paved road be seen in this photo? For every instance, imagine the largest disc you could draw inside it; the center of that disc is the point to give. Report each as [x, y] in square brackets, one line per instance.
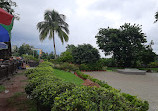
[143, 86]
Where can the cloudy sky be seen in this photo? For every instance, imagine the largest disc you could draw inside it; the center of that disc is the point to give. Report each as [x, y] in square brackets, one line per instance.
[84, 17]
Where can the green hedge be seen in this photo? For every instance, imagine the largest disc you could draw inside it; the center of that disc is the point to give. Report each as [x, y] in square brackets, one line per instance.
[95, 99]
[52, 93]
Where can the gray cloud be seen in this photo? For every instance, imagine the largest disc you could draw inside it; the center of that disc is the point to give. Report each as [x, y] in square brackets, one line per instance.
[84, 19]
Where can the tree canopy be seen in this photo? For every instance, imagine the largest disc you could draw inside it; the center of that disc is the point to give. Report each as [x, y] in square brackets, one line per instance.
[85, 54]
[53, 23]
[124, 44]
[156, 17]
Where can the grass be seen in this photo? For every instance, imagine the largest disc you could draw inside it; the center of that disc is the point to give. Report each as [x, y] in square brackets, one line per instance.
[2, 88]
[67, 76]
[113, 68]
[153, 69]
[22, 104]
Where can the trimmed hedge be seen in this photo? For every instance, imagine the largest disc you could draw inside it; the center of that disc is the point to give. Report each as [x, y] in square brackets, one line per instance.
[52, 93]
[95, 99]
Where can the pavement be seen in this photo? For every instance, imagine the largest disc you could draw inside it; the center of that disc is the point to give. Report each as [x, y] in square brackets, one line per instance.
[143, 86]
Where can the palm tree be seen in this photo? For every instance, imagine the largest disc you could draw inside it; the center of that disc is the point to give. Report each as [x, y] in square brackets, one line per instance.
[53, 23]
[156, 17]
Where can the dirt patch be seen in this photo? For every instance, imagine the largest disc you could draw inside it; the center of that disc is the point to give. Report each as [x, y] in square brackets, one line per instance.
[14, 97]
[88, 82]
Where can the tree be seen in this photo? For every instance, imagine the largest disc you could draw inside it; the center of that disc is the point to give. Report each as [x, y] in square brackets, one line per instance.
[85, 54]
[27, 49]
[124, 43]
[7, 6]
[66, 57]
[146, 55]
[51, 56]
[53, 22]
[44, 55]
[156, 17]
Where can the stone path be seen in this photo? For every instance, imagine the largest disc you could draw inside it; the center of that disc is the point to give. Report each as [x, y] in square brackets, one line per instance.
[143, 86]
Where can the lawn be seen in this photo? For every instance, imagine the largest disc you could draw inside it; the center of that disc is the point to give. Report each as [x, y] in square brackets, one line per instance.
[153, 69]
[2, 88]
[67, 76]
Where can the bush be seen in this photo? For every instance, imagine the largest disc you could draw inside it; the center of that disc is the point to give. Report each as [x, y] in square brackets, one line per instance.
[95, 99]
[81, 74]
[43, 86]
[66, 67]
[153, 65]
[29, 57]
[83, 67]
[66, 57]
[53, 93]
[92, 67]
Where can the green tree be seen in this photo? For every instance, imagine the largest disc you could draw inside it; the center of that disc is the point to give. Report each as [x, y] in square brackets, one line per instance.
[146, 55]
[124, 43]
[156, 17]
[66, 57]
[44, 55]
[53, 22]
[85, 54]
[27, 49]
[51, 56]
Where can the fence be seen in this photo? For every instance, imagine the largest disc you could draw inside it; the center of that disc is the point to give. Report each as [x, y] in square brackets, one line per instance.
[8, 68]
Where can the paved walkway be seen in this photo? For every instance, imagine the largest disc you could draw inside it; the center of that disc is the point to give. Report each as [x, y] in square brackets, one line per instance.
[143, 86]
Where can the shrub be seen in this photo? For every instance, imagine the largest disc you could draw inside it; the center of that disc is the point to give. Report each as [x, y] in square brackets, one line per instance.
[94, 99]
[153, 65]
[66, 57]
[81, 74]
[93, 66]
[29, 57]
[45, 93]
[66, 67]
[53, 93]
[83, 67]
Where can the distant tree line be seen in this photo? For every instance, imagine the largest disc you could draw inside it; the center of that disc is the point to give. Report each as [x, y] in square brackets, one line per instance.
[26, 49]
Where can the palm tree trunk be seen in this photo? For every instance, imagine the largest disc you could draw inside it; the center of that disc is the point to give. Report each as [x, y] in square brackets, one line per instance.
[54, 46]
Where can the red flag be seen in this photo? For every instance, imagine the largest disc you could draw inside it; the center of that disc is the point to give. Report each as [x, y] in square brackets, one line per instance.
[5, 17]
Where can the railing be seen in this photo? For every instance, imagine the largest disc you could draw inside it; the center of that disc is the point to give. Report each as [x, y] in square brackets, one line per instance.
[8, 68]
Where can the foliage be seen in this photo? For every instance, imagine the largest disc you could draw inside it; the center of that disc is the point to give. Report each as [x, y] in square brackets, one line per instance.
[66, 57]
[85, 54]
[66, 67]
[27, 49]
[44, 86]
[109, 62]
[156, 17]
[93, 66]
[2, 88]
[51, 92]
[95, 99]
[125, 44]
[8, 6]
[81, 74]
[83, 67]
[153, 65]
[146, 55]
[149, 69]
[70, 48]
[53, 22]
[29, 57]
[44, 56]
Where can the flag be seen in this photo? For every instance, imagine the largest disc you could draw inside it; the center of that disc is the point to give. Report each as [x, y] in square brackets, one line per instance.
[6, 24]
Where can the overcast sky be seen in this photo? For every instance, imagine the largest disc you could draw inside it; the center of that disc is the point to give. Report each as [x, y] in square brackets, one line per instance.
[84, 17]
